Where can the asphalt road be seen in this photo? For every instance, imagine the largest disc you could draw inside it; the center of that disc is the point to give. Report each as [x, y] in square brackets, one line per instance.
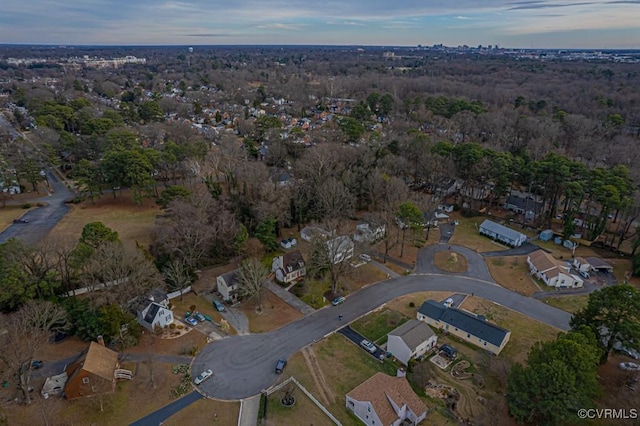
[524, 249]
[42, 219]
[244, 365]
[476, 266]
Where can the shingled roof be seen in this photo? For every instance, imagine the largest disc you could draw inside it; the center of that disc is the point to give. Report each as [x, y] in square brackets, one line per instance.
[413, 333]
[464, 321]
[101, 361]
[381, 387]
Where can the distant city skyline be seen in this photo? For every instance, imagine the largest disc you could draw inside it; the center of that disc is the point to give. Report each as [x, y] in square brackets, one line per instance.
[612, 24]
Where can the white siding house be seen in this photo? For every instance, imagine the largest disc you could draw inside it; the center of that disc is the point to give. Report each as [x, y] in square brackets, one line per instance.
[154, 315]
[384, 400]
[552, 272]
[502, 233]
[411, 340]
[228, 286]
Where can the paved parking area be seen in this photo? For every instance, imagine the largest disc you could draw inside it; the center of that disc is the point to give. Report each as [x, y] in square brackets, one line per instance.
[356, 338]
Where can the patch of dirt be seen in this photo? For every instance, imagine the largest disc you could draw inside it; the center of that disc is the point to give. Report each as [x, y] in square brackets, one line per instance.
[326, 394]
[450, 261]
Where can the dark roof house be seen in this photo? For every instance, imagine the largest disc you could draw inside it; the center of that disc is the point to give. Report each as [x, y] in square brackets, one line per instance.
[470, 327]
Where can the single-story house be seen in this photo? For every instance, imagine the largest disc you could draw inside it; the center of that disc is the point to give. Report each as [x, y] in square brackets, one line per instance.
[524, 203]
[308, 233]
[383, 400]
[467, 326]
[288, 243]
[340, 248]
[599, 264]
[412, 339]
[552, 272]
[289, 267]
[367, 232]
[93, 373]
[502, 233]
[228, 286]
[581, 264]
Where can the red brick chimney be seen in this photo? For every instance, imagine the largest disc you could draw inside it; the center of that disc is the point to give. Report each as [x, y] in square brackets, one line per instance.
[100, 340]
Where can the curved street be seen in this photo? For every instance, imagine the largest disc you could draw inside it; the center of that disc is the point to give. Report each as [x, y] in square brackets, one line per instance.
[244, 365]
[41, 219]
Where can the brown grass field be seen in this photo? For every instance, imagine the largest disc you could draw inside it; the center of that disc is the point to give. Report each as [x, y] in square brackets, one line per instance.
[512, 272]
[450, 261]
[9, 213]
[206, 411]
[275, 313]
[134, 224]
[568, 303]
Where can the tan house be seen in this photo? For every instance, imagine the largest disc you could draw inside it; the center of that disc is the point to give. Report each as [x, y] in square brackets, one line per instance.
[467, 326]
[552, 272]
[384, 400]
[93, 373]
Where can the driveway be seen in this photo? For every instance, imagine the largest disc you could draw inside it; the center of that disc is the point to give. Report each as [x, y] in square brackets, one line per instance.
[43, 219]
[244, 365]
[446, 231]
[159, 416]
[357, 338]
[476, 266]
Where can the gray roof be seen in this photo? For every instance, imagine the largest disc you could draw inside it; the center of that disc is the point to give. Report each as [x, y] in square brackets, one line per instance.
[464, 321]
[152, 312]
[524, 203]
[502, 230]
[230, 277]
[598, 263]
[413, 333]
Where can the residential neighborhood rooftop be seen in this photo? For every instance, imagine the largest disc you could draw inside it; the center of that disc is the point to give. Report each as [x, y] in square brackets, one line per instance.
[466, 321]
[413, 333]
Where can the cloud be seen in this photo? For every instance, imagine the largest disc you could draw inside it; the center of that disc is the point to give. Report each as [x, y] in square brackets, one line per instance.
[332, 21]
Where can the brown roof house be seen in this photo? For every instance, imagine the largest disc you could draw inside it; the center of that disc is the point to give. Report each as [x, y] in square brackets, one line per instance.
[552, 272]
[94, 373]
[384, 400]
[289, 267]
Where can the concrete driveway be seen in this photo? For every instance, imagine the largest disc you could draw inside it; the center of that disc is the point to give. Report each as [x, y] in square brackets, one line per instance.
[523, 250]
[476, 266]
[244, 365]
[43, 219]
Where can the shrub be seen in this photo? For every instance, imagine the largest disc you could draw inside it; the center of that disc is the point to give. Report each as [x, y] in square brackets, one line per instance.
[172, 325]
[180, 326]
[26, 206]
[412, 305]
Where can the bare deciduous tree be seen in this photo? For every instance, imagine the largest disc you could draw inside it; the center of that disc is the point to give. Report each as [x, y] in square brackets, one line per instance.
[252, 277]
[24, 334]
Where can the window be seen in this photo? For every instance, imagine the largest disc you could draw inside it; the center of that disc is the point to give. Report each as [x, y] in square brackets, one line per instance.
[369, 409]
[468, 336]
[351, 403]
[85, 380]
[485, 343]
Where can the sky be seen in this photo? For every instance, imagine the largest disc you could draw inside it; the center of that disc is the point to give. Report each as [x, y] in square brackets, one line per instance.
[507, 23]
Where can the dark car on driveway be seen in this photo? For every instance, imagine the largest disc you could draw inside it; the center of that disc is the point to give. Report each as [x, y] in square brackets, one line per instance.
[280, 365]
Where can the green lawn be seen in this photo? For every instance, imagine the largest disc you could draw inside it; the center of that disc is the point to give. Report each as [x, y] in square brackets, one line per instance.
[376, 325]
